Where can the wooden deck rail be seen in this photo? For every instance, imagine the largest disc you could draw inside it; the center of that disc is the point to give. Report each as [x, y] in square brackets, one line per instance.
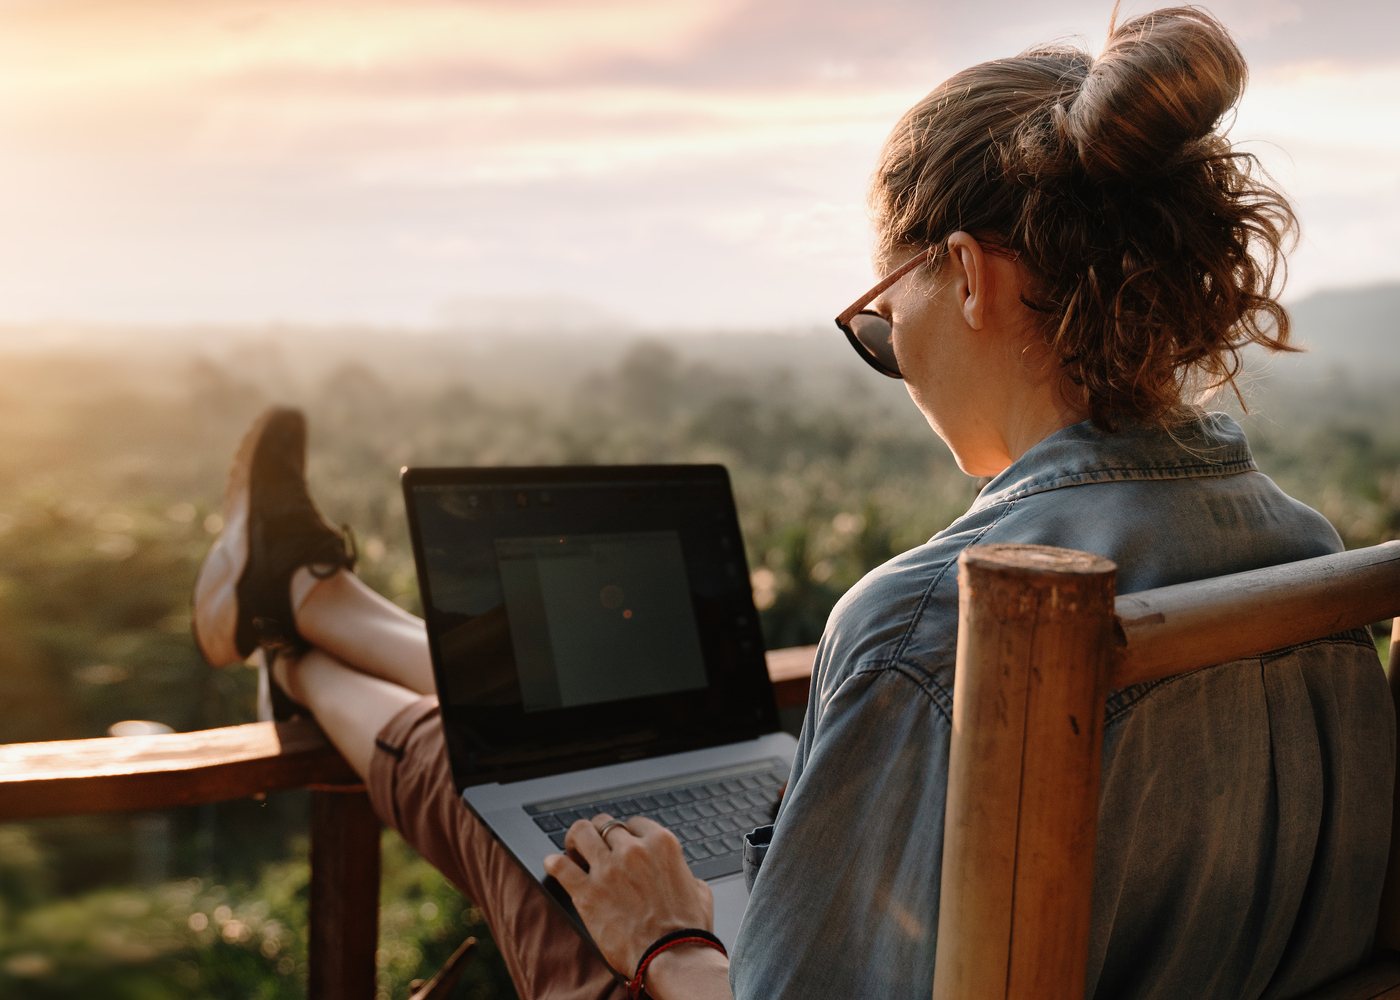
[135, 773]
[1041, 643]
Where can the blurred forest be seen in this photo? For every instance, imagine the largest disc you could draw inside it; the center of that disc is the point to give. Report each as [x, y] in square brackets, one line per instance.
[113, 451]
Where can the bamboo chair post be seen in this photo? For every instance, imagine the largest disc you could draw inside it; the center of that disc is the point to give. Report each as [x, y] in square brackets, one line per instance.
[344, 906]
[1035, 637]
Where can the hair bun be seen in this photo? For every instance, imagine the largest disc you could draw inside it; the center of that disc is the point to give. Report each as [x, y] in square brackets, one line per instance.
[1164, 80]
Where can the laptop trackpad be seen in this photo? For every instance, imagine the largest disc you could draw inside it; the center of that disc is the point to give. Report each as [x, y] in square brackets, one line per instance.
[731, 896]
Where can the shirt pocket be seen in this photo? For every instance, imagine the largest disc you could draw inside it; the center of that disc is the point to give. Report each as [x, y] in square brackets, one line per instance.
[755, 850]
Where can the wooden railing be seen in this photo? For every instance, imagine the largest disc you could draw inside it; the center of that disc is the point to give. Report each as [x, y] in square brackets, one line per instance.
[136, 773]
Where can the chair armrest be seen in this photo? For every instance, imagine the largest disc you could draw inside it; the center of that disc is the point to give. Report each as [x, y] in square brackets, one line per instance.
[1175, 629]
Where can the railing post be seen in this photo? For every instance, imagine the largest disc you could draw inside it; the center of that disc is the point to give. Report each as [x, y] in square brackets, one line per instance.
[1035, 634]
[344, 917]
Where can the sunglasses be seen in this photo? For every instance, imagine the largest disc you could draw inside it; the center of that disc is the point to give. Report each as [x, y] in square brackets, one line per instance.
[871, 334]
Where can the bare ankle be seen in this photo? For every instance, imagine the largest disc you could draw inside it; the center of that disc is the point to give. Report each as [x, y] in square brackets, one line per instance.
[280, 685]
[304, 584]
[279, 666]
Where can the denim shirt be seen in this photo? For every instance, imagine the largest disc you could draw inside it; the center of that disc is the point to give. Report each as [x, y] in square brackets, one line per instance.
[1244, 809]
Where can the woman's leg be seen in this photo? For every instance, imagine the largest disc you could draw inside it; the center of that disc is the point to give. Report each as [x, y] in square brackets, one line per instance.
[342, 616]
[350, 706]
[278, 572]
[393, 739]
[366, 681]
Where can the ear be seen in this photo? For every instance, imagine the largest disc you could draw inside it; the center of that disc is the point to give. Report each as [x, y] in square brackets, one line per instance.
[971, 276]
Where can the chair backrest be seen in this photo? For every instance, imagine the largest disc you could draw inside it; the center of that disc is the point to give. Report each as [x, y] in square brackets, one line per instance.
[1041, 642]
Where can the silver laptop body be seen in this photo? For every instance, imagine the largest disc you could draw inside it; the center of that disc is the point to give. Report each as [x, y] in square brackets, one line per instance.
[596, 649]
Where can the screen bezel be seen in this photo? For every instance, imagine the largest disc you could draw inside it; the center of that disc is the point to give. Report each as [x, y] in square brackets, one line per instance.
[738, 703]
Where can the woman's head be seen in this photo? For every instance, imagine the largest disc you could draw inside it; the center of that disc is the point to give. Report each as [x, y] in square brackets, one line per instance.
[1151, 248]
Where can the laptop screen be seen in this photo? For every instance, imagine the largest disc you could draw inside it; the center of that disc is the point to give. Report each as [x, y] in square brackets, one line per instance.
[586, 613]
[598, 618]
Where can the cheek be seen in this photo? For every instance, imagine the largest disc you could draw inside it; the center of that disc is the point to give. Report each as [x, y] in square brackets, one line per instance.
[920, 325]
[932, 405]
[907, 338]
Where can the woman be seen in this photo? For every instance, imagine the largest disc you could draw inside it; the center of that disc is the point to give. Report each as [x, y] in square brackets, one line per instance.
[1071, 253]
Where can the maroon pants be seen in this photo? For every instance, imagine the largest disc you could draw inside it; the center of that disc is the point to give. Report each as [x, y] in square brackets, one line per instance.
[411, 787]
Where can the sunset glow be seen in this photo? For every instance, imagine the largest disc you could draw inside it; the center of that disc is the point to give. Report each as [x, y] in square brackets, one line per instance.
[675, 164]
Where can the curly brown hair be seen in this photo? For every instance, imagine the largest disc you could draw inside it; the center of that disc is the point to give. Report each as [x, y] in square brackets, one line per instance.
[1154, 248]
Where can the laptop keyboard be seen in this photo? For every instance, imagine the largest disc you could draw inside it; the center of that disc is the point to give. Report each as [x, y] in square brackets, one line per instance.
[709, 812]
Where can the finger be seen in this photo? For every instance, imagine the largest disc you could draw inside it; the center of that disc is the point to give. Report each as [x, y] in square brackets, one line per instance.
[565, 871]
[610, 829]
[655, 838]
[648, 829]
[583, 838]
[605, 833]
[642, 826]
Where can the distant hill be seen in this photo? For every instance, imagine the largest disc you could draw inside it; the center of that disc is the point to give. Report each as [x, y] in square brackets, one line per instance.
[1354, 329]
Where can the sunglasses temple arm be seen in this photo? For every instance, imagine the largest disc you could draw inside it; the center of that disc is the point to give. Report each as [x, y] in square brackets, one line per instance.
[850, 311]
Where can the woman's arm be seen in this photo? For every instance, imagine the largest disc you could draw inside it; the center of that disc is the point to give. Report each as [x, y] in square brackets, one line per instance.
[689, 974]
[846, 903]
[631, 888]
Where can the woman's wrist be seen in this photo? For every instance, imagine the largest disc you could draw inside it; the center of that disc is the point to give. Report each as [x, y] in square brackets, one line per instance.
[688, 972]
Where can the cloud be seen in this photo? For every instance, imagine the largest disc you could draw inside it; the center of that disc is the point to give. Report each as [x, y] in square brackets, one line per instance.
[692, 159]
[62, 46]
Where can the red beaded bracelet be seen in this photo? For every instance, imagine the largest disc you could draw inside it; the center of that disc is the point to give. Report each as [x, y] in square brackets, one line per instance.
[688, 935]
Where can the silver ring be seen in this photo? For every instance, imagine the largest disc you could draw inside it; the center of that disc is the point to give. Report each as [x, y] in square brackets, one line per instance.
[603, 830]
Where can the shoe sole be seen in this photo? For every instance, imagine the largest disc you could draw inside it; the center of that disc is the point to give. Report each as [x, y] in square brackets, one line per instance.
[215, 617]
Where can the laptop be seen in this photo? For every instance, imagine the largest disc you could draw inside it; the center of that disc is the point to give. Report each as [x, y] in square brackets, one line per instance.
[596, 649]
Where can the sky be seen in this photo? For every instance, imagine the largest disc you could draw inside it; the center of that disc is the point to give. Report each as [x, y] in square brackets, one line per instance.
[585, 164]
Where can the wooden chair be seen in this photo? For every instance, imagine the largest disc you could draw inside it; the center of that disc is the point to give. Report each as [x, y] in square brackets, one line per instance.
[1040, 631]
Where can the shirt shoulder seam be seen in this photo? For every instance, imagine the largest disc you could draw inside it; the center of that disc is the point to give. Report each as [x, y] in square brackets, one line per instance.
[938, 695]
[917, 616]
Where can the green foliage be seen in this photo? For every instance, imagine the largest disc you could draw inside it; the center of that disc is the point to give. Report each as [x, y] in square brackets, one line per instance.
[246, 939]
[111, 471]
[1335, 444]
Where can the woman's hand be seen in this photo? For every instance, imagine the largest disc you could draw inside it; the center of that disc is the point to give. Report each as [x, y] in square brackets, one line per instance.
[636, 888]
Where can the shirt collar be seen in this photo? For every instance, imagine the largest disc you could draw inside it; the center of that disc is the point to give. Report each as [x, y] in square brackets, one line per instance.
[1212, 444]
